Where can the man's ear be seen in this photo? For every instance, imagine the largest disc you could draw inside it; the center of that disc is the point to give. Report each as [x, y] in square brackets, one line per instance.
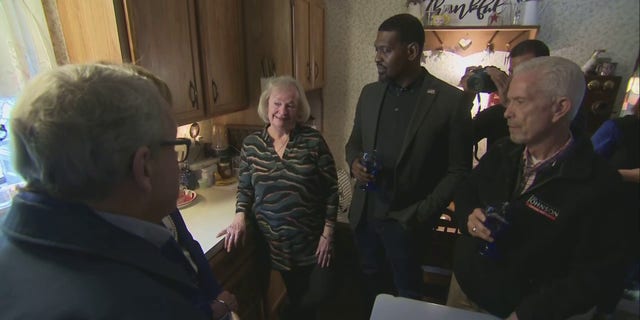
[141, 168]
[413, 51]
[561, 108]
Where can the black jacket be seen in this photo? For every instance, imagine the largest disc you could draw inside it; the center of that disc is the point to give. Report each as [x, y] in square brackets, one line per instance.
[564, 241]
[60, 260]
[435, 153]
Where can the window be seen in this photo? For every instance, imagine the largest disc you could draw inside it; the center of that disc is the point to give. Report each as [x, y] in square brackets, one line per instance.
[25, 50]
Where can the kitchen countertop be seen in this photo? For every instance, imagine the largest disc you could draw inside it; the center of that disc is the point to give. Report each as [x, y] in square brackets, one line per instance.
[211, 211]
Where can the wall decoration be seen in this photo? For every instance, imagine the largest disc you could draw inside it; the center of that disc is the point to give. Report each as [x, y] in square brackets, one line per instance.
[473, 12]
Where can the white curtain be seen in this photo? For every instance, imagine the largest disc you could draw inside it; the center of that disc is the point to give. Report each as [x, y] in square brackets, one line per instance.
[25, 44]
[25, 50]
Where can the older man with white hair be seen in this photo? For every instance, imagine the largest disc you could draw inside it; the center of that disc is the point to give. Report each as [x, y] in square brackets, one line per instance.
[541, 236]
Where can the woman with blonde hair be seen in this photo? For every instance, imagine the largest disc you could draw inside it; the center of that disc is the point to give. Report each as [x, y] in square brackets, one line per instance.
[288, 186]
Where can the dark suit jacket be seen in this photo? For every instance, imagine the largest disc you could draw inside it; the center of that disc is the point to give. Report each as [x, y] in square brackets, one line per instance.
[435, 154]
[206, 281]
[60, 260]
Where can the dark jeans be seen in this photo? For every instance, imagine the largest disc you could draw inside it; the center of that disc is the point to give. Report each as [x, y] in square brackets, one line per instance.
[307, 288]
[383, 244]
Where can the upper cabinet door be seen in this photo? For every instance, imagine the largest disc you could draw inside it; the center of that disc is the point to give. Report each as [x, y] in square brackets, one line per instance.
[268, 33]
[90, 31]
[316, 42]
[222, 55]
[162, 36]
[302, 63]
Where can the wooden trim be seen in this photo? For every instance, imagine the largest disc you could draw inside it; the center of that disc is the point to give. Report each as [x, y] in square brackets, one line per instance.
[501, 38]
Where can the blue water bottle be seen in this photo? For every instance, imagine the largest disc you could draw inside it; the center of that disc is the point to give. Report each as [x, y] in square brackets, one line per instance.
[372, 163]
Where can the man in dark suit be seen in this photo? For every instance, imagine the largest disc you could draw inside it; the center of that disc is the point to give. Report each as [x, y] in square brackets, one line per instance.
[419, 127]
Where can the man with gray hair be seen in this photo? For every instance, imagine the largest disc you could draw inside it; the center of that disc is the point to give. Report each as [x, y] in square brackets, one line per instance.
[539, 240]
[96, 147]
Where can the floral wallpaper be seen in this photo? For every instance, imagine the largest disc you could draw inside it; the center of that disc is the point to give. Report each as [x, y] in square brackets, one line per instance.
[571, 28]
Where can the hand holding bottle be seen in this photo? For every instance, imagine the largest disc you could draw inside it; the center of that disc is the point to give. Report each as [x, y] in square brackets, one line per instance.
[496, 222]
[372, 164]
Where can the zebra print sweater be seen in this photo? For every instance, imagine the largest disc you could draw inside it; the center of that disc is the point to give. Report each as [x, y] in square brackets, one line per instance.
[291, 198]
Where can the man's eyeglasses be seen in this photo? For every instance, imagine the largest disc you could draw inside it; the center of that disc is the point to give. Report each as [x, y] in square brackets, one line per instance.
[181, 146]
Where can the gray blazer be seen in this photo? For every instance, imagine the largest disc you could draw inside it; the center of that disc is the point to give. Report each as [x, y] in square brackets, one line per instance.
[435, 155]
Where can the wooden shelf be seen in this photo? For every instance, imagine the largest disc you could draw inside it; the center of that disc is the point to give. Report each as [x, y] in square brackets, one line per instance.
[503, 38]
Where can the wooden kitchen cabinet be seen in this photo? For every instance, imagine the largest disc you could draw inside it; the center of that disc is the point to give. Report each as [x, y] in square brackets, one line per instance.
[241, 273]
[308, 38]
[195, 46]
[223, 55]
[599, 100]
[284, 37]
[163, 39]
[246, 272]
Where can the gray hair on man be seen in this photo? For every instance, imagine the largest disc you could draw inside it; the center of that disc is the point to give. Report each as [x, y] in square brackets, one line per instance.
[557, 77]
[304, 110]
[75, 128]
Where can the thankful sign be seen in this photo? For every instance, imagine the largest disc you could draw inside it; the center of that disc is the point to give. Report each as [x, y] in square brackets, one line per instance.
[468, 12]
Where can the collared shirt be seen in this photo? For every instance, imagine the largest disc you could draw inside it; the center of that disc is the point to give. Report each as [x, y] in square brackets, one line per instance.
[154, 233]
[398, 106]
[157, 234]
[532, 165]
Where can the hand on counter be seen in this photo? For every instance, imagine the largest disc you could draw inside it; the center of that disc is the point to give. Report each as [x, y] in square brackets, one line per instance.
[234, 233]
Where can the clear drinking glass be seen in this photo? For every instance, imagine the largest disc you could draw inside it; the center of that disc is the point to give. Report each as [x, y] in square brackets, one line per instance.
[497, 222]
[373, 164]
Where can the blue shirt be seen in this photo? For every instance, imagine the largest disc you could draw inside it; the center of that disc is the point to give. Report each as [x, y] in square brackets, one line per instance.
[606, 138]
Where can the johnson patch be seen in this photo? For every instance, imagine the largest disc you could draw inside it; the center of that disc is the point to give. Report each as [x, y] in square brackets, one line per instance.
[542, 208]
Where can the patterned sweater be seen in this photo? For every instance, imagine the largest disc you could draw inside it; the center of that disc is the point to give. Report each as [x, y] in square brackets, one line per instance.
[291, 198]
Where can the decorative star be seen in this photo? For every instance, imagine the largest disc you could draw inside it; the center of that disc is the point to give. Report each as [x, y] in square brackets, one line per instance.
[493, 18]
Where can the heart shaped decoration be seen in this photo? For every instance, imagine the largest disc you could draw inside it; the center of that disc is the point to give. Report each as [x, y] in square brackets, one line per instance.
[465, 43]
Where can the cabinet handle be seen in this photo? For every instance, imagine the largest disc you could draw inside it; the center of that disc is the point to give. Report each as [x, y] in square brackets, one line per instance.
[308, 71]
[601, 108]
[214, 87]
[272, 73]
[608, 85]
[593, 85]
[193, 93]
[317, 70]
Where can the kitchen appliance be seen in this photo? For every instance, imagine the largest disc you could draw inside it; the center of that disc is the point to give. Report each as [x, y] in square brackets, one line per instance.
[219, 139]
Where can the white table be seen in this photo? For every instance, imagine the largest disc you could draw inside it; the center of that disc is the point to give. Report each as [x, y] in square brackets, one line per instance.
[388, 307]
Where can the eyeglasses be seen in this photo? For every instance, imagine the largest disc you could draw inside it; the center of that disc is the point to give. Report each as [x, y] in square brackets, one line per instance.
[181, 146]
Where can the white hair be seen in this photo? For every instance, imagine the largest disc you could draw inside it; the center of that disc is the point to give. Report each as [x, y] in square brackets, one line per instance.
[303, 112]
[557, 77]
[75, 128]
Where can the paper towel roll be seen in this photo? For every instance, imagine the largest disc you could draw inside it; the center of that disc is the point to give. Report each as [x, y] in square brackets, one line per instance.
[530, 13]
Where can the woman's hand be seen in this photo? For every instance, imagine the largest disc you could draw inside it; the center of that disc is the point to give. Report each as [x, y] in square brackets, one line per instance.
[234, 233]
[475, 225]
[325, 247]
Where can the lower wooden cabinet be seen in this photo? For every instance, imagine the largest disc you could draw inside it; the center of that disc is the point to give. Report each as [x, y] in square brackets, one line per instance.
[246, 272]
[599, 101]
